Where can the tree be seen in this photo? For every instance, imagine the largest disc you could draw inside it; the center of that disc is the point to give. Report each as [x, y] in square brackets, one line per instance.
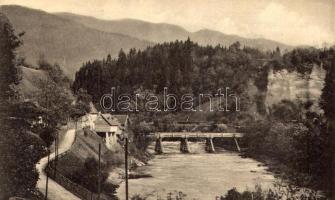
[327, 104]
[19, 148]
[9, 78]
[55, 99]
[82, 105]
[328, 92]
[88, 177]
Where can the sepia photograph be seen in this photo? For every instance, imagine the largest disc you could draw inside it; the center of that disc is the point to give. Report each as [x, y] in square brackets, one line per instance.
[167, 100]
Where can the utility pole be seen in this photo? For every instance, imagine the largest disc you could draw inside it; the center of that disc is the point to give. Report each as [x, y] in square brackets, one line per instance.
[126, 164]
[56, 154]
[47, 172]
[99, 171]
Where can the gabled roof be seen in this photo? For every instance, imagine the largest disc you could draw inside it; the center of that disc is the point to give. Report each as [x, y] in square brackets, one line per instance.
[111, 120]
[122, 119]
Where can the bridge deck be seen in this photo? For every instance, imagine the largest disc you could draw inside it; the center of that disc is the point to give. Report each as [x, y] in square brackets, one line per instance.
[197, 135]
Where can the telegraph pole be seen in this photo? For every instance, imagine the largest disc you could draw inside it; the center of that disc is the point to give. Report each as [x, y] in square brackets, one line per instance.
[47, 172]
[56, 154]
[126, 164]
[99, 172]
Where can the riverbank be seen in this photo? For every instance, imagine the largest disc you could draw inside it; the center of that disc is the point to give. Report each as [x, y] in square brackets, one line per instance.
[117, 174]
[287, 176]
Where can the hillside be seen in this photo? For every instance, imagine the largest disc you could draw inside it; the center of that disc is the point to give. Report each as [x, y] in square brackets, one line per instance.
[64, 41]
[84, 147]
[30, 77]
[162, 32]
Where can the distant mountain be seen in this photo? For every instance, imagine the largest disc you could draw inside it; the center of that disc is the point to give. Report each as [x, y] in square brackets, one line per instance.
[70, 39]
[64, 41]
[162, 32]
[155, 32]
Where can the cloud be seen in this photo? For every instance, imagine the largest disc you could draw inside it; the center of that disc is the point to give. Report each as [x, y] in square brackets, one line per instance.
[277, 22]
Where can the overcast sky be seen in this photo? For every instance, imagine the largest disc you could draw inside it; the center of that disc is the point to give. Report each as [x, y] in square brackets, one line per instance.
[295, 22]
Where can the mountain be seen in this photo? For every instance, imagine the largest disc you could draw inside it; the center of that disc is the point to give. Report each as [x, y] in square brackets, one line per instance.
[210, 37]
[162, 32]
[155, 32]
[70, 39]
[64, 41]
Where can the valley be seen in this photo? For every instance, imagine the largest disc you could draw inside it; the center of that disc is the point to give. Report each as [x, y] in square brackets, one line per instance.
[130, 109]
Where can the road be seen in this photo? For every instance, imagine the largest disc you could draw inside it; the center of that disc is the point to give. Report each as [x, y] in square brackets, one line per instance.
[56, 191]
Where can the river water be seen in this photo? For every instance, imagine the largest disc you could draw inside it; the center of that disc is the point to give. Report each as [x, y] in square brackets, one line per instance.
[199, 175]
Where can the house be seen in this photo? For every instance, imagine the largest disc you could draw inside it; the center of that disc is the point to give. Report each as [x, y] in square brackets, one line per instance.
[110, 127]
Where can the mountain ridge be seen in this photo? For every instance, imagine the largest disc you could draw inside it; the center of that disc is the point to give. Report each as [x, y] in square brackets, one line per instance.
[155, 32]
[63, 41]
[70, 39]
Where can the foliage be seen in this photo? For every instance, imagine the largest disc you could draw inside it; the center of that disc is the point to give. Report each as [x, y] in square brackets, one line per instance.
[19, 147]
[302, 60]
[287, 111]
[82, 104]
[301, 145]
[328, 92]
[182, 66]
[279, 191]
[88, 177]
[54, 72]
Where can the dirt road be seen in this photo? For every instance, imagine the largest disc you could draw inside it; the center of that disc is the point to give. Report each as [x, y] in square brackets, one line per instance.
[56, 191]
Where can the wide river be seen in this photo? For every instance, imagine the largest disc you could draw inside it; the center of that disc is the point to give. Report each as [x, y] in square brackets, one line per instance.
[199, 175]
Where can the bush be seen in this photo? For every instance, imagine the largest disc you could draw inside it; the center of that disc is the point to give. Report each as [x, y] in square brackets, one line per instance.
[88, 177]
[279, 191]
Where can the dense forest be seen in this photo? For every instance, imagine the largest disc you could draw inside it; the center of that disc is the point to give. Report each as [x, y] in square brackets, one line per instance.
[181, 66]
[184, 67]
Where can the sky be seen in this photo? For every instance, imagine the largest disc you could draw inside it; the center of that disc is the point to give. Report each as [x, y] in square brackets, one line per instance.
[298, 22]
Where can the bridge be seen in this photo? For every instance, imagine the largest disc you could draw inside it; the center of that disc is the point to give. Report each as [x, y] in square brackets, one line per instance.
[183, 136]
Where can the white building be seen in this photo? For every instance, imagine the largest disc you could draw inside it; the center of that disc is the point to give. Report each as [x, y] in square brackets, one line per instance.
[109, 127]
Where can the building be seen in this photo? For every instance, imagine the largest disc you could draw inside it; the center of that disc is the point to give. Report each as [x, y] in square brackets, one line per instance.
[110, 127]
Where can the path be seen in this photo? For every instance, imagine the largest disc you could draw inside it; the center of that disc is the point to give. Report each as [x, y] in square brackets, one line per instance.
[56, 191]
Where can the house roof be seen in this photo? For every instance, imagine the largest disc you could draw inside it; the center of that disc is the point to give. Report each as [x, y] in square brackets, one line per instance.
[111, 120]
[121, 118]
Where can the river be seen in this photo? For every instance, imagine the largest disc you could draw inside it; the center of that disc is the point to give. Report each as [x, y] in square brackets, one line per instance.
[199, 175]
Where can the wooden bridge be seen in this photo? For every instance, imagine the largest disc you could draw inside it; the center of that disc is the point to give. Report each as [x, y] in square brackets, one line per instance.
[183, 136]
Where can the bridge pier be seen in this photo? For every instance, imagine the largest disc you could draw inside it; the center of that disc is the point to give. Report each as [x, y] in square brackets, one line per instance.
[209, 145]
[184, 147]
[159, 146]
[237, 146]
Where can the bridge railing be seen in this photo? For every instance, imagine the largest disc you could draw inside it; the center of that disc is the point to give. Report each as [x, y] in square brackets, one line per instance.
[197, 135]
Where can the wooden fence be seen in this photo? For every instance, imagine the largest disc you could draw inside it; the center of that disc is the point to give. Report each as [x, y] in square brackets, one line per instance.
[74, 188]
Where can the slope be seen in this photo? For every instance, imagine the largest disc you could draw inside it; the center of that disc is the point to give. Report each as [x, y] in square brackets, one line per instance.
[64, 41]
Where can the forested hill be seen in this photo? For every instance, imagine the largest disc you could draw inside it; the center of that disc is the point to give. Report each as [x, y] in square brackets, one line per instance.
[182, 66]
[185, 67]
[163, 32]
